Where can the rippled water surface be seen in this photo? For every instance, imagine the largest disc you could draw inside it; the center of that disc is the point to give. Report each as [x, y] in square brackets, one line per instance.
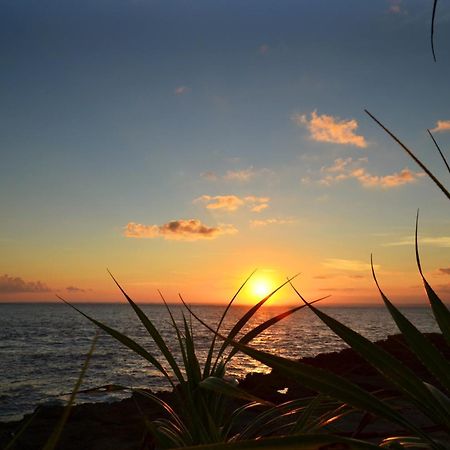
[43, 346]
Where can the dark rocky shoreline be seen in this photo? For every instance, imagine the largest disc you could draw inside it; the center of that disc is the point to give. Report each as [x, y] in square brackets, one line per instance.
[119, 425]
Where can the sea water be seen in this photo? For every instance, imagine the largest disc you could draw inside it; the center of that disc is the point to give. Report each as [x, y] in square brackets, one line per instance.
[43, 346]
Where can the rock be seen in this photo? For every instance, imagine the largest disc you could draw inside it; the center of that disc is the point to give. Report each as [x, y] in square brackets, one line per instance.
[120, 425]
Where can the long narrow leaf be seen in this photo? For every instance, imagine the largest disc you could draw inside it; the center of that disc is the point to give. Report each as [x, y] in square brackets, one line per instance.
[166, 407]
[301, 442]
[125, 340]
[177, 330]
[411, 154]
[52, 441]
[207, 367]
[430, 356]
[440, 311]
[394, 371]
[221, 386]
[433, 17]
[324, 382]
[332, 385]
[193, 372]
[152, 330]
[439, 150]
[267, 324]
[246, 317]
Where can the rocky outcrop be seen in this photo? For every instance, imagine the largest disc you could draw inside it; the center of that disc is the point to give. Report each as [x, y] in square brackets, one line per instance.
[120, 425]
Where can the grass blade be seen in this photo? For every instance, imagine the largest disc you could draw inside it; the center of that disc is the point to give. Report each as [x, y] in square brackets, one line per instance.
[56, 434]
[411, 154]
[154, 333]
[16, 436]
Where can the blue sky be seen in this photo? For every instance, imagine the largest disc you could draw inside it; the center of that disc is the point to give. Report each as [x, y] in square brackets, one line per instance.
[148, 112]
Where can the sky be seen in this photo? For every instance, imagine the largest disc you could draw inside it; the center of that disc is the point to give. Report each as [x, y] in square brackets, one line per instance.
[183, 144]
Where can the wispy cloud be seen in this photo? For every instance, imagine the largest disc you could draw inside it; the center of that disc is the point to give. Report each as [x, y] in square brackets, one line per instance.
[396, 7]
[263, 49]
[10, 284]
[441, 125]
[325, 128]
[439, 241]
[445, 270]
[239, 175]
[233, 202]
[209, 175]
[224, 202]
[347, 264]
[181, 230]
[272, 221]
[405, 176]
[181, 90]
[74, 289]
[344, 169]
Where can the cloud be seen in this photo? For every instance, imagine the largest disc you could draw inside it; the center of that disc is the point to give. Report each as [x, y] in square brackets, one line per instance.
[233, 202]
[445, 270]
[440, 241]
[263, 49]
[395, 7]
[405, 176]
[273, 221]
[181, 90]
[344, 169]
[209, 175]
[16, 285]
[181, 230]
[324, 128]
[74, 289]
[347, 264]
[225, 202]
[240, 175]
[258, 208]
[441, 125]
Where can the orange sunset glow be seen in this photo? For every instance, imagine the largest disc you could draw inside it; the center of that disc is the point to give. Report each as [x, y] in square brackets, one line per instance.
[225, 224]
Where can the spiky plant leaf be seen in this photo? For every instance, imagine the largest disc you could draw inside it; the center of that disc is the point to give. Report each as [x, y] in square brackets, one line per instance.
[324, 382]
[221, 386]
[412, 155]
[430, 356]
[52, 441]
[125, 340]
[440, 311]
[207, 368]
[300, 442]
[154, 333]
[252, 334]
[403, 378]
[246, 317]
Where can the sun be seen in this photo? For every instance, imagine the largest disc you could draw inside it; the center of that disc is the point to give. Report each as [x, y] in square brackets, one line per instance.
[261, 287]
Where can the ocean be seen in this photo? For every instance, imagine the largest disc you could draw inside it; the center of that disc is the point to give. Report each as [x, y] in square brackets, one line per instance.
[43, 346]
